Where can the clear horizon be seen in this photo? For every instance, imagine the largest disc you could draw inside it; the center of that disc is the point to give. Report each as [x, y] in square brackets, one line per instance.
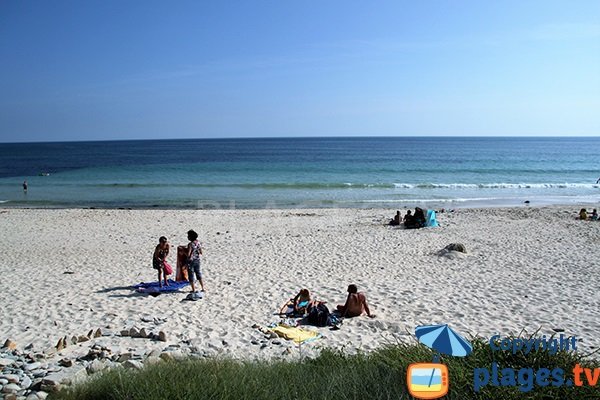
[94, 71]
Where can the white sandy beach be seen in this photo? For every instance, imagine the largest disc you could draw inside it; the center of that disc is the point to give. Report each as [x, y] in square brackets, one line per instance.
[526, 268]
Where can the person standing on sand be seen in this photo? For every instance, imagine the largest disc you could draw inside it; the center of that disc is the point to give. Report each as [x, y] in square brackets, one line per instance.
[356, 304]
[193, 260]
[24, 186]
[161, 251]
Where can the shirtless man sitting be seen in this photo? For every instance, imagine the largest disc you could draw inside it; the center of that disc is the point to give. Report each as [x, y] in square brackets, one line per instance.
[356, 304]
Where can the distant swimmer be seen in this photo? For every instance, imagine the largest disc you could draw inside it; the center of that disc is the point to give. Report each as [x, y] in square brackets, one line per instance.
[25, 186]
[598, 181]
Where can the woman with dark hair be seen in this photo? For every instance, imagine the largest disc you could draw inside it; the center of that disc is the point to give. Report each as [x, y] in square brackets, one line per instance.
[161, 251]
[193, 262]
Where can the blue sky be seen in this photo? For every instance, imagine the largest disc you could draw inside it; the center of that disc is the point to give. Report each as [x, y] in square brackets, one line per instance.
[87, 70]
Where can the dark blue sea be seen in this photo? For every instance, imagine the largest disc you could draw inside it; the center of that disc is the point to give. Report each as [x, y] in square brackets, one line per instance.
[302, 172]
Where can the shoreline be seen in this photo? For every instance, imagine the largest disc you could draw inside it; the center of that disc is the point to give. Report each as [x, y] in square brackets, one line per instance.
[365, 205]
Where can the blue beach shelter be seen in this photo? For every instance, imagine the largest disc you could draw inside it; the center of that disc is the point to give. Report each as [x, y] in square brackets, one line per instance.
[430, 220]
[443, 339]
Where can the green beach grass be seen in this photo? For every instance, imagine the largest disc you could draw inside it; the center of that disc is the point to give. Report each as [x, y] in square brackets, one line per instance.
[332, 375]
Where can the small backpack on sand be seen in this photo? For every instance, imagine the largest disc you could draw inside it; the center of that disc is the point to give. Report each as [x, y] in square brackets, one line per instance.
[319, 315]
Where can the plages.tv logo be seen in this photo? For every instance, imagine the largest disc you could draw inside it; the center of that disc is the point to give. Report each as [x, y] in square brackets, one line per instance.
[430, 380]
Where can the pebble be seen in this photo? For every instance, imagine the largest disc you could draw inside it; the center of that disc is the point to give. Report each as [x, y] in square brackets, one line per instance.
[5, 362]
[32, 366]
[11, 388]
[26, 382]
[162, 336]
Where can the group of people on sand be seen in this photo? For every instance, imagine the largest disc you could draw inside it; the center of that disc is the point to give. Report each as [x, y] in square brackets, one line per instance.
[194, 251]
[584, 215]
[410, 220]
[301, 305]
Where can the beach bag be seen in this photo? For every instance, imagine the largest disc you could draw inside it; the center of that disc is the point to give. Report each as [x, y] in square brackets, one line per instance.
[168, 269]
[319, 315]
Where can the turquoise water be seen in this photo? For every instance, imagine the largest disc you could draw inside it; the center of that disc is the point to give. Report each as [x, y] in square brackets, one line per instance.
[302, 172]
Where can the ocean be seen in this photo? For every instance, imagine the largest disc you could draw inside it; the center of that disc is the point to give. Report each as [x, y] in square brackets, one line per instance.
[391, 172]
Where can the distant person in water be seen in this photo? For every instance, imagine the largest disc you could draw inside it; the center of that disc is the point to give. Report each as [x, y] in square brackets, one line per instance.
[194, 253]
[158, 259]
[597, 181]
[356, 304]
[397, 219]
[25, 186]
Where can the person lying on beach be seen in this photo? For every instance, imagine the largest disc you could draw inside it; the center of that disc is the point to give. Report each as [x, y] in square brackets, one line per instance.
[356, 304]
[299, 305]
[583, 214]
[193, 261]
[161, 251]
[396, 220]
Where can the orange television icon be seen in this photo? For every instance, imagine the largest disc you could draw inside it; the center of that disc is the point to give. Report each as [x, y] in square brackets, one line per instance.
[427, 380]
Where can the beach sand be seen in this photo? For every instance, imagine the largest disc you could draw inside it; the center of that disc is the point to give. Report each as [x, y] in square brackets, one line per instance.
[65, 272]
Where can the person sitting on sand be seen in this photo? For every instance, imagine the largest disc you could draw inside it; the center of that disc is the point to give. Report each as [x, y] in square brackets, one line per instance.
[594, 215]
[583, 214]
[356, 304]
[299, 305]
[396, 220]
[419, 217]
[161, 251]
[408, 218]
[193, 263]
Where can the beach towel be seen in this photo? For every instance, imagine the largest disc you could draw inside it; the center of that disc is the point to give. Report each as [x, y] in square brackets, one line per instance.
[182, 271]
[154, 287]
[430, 220]
[298, 335]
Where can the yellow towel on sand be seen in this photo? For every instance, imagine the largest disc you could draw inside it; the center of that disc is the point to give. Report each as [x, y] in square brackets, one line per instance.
[298, 335]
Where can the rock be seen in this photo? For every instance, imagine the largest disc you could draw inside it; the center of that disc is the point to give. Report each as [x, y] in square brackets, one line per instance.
[143, 333]
[11, 388]
[96, 366]
[152, 360]
[133, 364]
[11, 378]
[83, 338]
[41, 395]
[74, 340]
[66, 362]
[276, 342]
[32, 396]
[162, 336]
[3, 382]
[26, 382]
[98, 333]
[154, 353]
[167, 356]
[254, 342]
[55, 381]
[124, 357]
[262, 346]
[90, 334]
[456, 247]
[133, 332]
[50, 351]
[32, 366]
[125, 332]
[5, 362]
[273, 335]
[11, 396]
[60, 344]
[10, 344]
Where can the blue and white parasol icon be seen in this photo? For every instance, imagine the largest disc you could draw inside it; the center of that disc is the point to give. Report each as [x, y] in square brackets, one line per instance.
[443, 339]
